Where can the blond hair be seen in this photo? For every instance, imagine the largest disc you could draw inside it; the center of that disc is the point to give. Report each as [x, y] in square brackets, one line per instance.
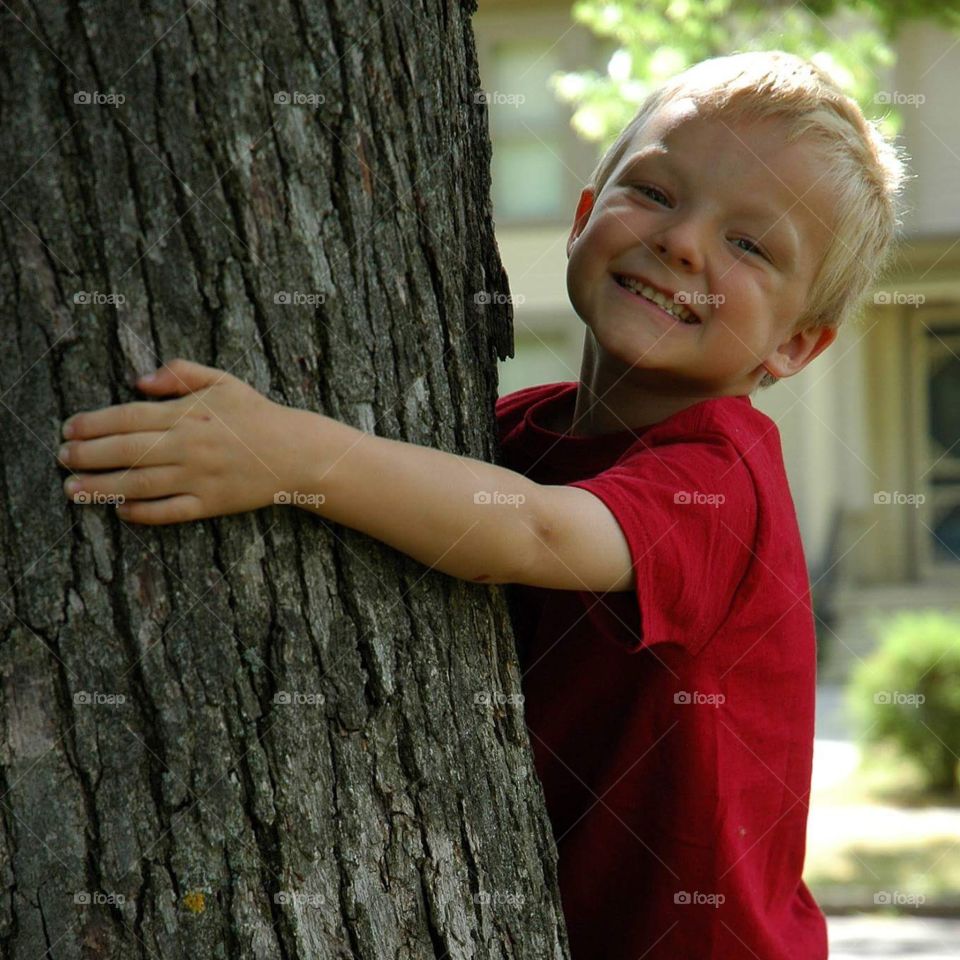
[866, 171]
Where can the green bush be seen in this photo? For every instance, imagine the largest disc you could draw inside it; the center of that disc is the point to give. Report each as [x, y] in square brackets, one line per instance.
[908, 694]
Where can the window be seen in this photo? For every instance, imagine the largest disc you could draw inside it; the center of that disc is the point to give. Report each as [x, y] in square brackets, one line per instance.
[943, 442]
[528, 128]
[937, 442]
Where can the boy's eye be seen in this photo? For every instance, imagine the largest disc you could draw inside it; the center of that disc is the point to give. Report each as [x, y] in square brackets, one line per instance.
[754, 247]
[643, 186]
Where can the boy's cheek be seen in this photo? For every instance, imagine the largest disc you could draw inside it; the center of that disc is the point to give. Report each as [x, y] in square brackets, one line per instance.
[587, 280]
[575, 294]
[584, 266]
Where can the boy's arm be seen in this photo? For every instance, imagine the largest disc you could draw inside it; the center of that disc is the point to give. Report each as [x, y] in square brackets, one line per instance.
[221, 447]
[467, 518]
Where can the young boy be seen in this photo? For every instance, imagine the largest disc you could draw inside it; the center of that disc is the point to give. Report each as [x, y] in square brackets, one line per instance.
[642, 516]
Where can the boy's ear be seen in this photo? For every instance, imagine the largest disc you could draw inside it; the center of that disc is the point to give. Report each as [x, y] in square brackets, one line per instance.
[794, 354]
[584, 208]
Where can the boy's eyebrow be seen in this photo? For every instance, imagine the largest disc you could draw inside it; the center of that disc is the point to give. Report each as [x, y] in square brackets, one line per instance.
[778, 219]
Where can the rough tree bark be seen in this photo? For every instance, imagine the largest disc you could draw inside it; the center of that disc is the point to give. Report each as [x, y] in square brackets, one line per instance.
[263, 735]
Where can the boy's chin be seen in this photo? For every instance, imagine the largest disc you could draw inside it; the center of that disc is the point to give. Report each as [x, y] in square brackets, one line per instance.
[634, 356]
[634, 345]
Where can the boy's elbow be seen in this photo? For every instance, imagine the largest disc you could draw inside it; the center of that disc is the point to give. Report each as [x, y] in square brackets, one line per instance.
[573, 542]
[532, 542]
[522, 541]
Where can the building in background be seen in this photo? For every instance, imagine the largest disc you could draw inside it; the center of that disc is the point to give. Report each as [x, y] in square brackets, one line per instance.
[870, 430]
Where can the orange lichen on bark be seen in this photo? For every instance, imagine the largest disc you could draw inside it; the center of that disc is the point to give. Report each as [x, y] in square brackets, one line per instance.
[195, 901]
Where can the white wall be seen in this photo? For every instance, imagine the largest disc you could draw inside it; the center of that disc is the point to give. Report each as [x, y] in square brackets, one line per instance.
[929, 65]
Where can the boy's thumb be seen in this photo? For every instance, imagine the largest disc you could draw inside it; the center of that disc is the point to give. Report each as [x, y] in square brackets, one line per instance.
[179, 377]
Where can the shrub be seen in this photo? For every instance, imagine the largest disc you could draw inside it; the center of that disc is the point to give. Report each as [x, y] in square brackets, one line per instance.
[908, 693]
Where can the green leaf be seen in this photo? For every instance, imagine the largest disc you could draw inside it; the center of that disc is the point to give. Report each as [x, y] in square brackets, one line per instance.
[656, 39]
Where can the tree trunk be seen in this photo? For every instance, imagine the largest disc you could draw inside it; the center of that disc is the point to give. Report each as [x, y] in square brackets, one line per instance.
[262, 735]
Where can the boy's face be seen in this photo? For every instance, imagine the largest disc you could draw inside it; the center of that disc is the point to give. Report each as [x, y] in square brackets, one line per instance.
[728, 215]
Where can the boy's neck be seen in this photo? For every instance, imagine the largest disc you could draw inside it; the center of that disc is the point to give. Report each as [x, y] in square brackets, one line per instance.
[607, 401]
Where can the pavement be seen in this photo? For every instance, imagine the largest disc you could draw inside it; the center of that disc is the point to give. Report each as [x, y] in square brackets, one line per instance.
[906, 938]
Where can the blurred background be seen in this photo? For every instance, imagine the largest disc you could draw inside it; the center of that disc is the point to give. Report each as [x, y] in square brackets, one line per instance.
[870, 431]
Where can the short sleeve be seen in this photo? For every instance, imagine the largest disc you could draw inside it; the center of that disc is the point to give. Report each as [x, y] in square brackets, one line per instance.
[688, 510]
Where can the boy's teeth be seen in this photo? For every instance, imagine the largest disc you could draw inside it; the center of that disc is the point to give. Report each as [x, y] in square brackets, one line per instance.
[677, 309]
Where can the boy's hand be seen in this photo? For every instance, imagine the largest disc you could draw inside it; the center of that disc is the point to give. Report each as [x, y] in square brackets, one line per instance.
[221, 448]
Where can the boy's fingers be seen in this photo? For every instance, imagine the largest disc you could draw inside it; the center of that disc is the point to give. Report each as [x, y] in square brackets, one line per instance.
[179, 509]
[147, 448]
[124, 418]
[180, 377]
[145, 483]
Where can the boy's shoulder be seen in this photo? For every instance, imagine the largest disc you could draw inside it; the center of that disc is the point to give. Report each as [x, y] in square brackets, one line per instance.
[726, 434]
[734, 417]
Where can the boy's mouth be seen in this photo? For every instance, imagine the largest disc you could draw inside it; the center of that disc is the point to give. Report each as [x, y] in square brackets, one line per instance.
[678, 311]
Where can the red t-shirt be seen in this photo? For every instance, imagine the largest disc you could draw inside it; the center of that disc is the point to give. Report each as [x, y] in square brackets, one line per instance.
[672, 727]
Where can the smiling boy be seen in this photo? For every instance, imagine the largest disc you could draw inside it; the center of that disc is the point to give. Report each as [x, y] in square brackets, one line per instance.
[740, 302]
[644, 520]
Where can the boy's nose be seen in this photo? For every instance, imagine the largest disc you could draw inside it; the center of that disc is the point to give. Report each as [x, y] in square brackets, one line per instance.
[680, 247]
